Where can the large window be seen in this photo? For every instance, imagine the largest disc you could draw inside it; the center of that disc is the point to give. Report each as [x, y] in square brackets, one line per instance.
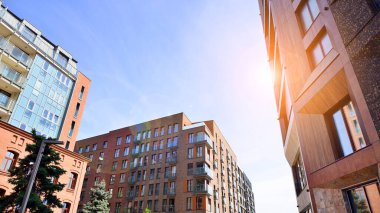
[189, 203]
[347, 132]
[320, 48]
[72, 180]
[307, 13]
[299, 175]
[364, 199]
[9, 161]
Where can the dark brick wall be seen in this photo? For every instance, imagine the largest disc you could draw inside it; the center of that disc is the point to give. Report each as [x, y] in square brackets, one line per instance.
[359, 26]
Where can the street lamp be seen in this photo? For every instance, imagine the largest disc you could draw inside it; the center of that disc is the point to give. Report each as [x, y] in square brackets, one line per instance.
[34, 172]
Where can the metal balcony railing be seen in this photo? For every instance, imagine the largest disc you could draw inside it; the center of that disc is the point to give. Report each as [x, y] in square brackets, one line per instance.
[170, 175]
[203, 189]
[170, 191]
[171, 160]
[201, 171]
[6, 103]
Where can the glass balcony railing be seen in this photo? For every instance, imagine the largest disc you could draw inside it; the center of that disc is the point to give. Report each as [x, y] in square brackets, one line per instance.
[130, 194]
[201, 137]
[38, 42]
[15, 52]
[170, 175]
[6, 102]
[201, 171]
[204, 189]
[134, 165]
[168, 208]
[131, 180]
[11, 75]
[170, 191]
[171, 160]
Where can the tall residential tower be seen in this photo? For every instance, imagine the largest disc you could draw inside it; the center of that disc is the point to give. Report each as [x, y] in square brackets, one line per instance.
[167, 165]
[40, 88]
[325, 61]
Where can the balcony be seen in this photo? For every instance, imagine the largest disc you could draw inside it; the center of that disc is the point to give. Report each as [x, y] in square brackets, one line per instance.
[171, 160]
[132, 180]
[11, 75]
[15, 52]
[6, 104]
[170, 191]
[201, 172]
[136, 141]
[130, 195]
[203, 189]
[201, 137]
[168, 209]
[134, 165]
[170, 175]
[135, 153]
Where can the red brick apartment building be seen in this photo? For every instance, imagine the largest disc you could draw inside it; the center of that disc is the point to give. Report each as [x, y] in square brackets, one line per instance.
[325, 60]
[167, 165]
[40, 88]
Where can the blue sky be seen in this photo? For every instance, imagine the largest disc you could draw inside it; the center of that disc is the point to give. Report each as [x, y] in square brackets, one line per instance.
[148, 59]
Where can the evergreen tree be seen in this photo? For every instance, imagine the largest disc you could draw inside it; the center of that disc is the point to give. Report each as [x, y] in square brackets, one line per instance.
[98, 202]
[42, 197]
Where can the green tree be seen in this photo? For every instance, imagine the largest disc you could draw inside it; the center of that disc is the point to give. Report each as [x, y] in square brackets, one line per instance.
[42, 197]
[147, 210]
[98, 202]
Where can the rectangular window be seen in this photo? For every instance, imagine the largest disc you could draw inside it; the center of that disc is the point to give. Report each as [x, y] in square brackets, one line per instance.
[116, 154]
[320, 48]
[175, 128]
[307, 13]
[118, 141]
[156, 132]
[364, 198]
[124, 164]
[299, 175]
[189, 185]
[81, 93]
[349, 140]
[128, 139]
[190, 153]
[126, 151]
[62, 60]
[157, 189]
[94, 147]
[80, 150]
[189, 203]
[112, 179]
[162, 131]
[28, 33]
[72, 129]
[191, 138]
[76, 110]
[149, 133]
[199, 202]
[105, 144]
[118, 205]
[120, 192]
[122, 178]
[199, 151]
[87, 148]
[169, 129]
[114, 165]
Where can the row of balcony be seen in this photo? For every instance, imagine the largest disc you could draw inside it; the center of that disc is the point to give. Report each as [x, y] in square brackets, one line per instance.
[130, 195]
[37, 41]
[11, 75]
[201, 137]
[15, 52]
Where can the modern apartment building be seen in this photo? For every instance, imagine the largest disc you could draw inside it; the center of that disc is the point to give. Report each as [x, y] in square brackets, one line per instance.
[40, 88]
[324, 57]
[167, 165]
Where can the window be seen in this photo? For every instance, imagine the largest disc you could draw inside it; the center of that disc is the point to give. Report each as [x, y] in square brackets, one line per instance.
[126, 151]
[99, 168]
[169, 129]
[9, 161]
[118, 206]
[128, 139]
[62, 60]
[66, 207]
[94, 147]
[72, 129]
[191, 138]
[162, 131]
[161, 144]
[157, 189]
[199, 151]
[344, 132]
[156, 132]
[124, 164]
[76, 110]
[112, 179]
[147, 147]
[189, 185]
[118, 141]
[189, 203]
[155, 206]
[81, 93]
[105, 144]
[122, 178]
[149, 133]
[72, 180]
[155, 145]
[299, 175]
[307, 14]
[80, 150]
[91, 156]
[30, 105]
[190, 153]
[364, 198]
[199, 202]
[28, 33]
[120, 192]
[116, 154]
[175, 142]
[114, 165]
[142, 190]
[67, 146]
[150, 191]
[138, 136]
[101, 156]
[320, 48]
[175, 128]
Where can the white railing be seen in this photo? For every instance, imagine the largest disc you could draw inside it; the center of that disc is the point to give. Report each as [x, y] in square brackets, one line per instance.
[12, 75]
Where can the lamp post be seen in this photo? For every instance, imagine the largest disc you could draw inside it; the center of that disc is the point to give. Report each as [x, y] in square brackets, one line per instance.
[34, 172]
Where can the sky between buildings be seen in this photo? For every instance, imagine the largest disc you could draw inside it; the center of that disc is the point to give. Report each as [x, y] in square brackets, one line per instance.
[149, 59]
